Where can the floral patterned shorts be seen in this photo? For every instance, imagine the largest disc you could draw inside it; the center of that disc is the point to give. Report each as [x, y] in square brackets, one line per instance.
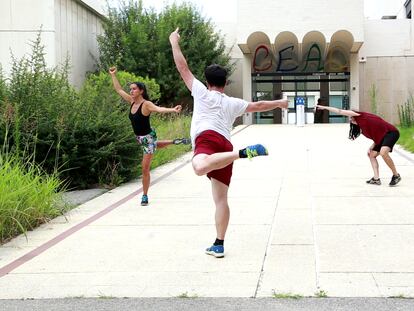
[148, 142]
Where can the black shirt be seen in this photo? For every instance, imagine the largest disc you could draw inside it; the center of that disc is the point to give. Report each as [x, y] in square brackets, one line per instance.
[140, 123]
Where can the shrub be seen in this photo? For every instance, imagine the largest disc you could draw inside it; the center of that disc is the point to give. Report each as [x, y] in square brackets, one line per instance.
[39, 103]
[85, 135]
[105, 146]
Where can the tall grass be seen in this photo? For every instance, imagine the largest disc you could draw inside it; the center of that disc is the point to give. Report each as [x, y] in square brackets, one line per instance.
[28, 196]
[170, 126]
[407, 138]
[373, 94]
[406, 112]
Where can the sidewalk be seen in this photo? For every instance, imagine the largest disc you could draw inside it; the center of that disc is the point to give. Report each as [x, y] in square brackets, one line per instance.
[303, 223]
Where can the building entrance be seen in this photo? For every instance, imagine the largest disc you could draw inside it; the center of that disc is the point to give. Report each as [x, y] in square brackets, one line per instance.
[331, 88]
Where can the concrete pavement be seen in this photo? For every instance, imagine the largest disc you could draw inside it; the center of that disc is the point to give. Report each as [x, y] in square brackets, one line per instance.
[303, 223]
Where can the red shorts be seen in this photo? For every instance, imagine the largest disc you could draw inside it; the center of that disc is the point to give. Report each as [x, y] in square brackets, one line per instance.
[209, 142]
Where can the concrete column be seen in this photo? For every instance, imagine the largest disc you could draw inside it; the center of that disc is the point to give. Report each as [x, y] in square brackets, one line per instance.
[354, 82]
[247, 86]
[324, 92]
[277, 94]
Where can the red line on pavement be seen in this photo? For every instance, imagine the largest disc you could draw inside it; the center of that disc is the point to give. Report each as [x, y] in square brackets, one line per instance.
[40, 249]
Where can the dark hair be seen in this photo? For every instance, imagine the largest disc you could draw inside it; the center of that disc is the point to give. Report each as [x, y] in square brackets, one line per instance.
[354, 131]
[321, 100]
[142, 87]
[216, 75]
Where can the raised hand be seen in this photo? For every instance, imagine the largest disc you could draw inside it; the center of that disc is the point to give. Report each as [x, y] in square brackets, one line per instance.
[175, 36]
[112, 70]
[177, 108]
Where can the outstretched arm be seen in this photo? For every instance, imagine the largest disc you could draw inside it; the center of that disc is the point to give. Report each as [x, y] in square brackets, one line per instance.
[266, 105]
[117, 86]
[154, 108]
[180, 61]
[347, 113]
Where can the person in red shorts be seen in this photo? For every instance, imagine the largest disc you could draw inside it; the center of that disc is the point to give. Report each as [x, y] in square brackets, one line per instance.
[384, 135]
[213, 116]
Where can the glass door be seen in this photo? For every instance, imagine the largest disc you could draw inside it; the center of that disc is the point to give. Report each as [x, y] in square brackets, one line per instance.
[332, 87]
[263, 91]
[338, 98]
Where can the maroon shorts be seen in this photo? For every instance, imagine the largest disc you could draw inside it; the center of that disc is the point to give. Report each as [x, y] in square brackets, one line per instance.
[209, 142]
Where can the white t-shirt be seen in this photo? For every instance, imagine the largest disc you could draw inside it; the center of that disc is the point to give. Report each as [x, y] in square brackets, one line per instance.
[214, 111]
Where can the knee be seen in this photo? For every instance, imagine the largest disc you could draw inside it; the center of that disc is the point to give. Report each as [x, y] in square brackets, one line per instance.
[222, 204]
[372, 154]
[200, 165]
[384, 153]
[145, 169]
[198, 169]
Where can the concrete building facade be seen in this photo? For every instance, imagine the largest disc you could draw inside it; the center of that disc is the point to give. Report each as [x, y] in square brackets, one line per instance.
[68, 29]
[320, 49]
[306, 50]
[387, 65]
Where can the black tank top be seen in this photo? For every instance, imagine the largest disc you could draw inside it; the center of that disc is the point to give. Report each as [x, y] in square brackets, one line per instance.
[140, 123]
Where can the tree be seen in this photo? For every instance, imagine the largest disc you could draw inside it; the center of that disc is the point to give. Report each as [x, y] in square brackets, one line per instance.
[129, 39]
[200, 44]
[136, 40]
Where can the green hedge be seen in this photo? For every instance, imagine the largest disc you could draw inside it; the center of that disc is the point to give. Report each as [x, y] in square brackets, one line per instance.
[84, 135]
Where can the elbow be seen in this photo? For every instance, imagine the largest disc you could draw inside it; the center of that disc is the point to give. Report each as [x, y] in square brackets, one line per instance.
[182, 68]
[254, 107]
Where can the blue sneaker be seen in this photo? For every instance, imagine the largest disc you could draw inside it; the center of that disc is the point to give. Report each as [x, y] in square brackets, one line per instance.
[256, 150]
[216, 251]
[184, 141]
[144, 200]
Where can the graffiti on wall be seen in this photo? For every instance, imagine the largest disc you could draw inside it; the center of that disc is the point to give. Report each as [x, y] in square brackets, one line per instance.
[287, 59]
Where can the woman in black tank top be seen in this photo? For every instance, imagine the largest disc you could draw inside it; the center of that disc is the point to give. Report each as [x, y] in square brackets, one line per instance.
[139, 114]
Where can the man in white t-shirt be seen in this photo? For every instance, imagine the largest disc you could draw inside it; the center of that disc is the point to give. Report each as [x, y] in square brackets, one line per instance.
[213, 116]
